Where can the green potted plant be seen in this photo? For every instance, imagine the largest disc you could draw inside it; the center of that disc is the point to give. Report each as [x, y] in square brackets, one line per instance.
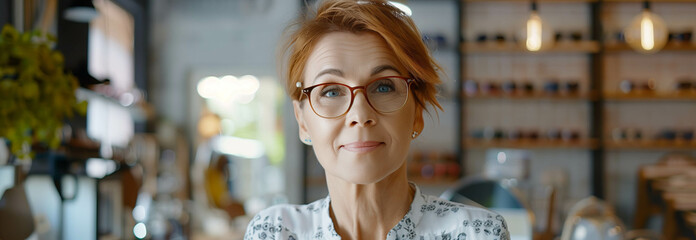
[36, 93]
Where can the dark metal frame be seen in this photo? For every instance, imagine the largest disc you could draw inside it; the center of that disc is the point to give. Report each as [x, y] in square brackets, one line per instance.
[461, 101]
[597, 104]
[6, 12]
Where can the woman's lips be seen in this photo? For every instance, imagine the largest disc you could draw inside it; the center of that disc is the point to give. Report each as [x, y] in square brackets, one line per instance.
[362, 147]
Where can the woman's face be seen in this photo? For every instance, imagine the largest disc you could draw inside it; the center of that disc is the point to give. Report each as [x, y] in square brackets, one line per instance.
[363, 146]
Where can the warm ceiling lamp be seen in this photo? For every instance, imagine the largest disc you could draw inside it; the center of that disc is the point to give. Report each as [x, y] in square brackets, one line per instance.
[533, 42]
[647, 32]
[537, 36]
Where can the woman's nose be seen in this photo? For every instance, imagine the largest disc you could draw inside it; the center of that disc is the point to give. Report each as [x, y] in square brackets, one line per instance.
[360, 113]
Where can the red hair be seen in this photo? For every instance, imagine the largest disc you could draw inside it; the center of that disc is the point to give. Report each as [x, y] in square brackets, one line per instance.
[371, 16]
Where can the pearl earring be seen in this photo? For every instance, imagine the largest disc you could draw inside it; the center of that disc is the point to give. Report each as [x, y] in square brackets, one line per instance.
[414, 134]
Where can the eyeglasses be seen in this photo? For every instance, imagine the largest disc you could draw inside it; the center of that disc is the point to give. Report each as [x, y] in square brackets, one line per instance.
[384, 95]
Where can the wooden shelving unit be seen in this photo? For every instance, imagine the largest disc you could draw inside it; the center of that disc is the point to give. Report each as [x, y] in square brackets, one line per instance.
[537, 144]
[534, 96]
[676, 96]
[662, 145]
[508, 47]
[591, 86]
[669, 47]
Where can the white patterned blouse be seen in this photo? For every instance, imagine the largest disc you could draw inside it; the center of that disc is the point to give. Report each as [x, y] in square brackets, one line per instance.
[430, 217]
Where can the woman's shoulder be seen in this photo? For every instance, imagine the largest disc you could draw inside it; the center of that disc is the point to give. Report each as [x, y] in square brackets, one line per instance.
[287, 221]
[457, 219]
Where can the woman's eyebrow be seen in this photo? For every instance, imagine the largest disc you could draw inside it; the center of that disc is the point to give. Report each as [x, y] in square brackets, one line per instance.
[383, 68]
[375, 71]
[332, 71]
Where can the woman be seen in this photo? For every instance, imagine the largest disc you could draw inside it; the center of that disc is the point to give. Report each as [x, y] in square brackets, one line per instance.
[360, 76]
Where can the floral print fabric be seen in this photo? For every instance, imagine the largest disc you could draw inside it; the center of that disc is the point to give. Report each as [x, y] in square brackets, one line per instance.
[430, 217]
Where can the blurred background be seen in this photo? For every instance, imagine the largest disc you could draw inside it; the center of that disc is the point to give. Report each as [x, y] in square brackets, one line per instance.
[167, 119]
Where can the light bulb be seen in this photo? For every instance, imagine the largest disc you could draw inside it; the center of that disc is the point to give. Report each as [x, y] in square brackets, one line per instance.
[647, 33]
[533, 42]
[535, 35]
[647, 37]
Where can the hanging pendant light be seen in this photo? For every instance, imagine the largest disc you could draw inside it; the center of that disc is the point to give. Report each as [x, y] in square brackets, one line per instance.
[533, 42]
[647, 32]
[536, 35]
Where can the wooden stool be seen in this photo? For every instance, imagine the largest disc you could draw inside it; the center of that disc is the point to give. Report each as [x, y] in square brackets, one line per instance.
[668, 165]
[646, 206]
[675, 204]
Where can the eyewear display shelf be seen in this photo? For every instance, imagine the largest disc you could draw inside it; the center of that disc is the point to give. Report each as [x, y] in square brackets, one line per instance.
[661, 104]
[546, 102]
[647, 112]
[601, 91]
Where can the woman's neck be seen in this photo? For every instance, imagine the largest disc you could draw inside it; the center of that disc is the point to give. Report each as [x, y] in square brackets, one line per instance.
[369, 211]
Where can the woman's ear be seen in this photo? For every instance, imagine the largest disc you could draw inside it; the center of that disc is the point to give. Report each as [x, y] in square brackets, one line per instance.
[299, 116]
[418, 123]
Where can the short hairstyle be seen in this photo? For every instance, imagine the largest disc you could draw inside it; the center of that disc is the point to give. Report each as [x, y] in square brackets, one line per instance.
[361, 16]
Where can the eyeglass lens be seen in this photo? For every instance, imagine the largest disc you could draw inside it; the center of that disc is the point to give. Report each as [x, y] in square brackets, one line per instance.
[385, 95]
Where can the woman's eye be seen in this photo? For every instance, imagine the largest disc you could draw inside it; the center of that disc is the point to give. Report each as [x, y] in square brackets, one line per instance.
[384, 88]
[331, 92]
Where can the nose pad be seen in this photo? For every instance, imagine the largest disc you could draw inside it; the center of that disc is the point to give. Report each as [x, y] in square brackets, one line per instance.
[362, 115]
[364, 98]
[355, 92]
